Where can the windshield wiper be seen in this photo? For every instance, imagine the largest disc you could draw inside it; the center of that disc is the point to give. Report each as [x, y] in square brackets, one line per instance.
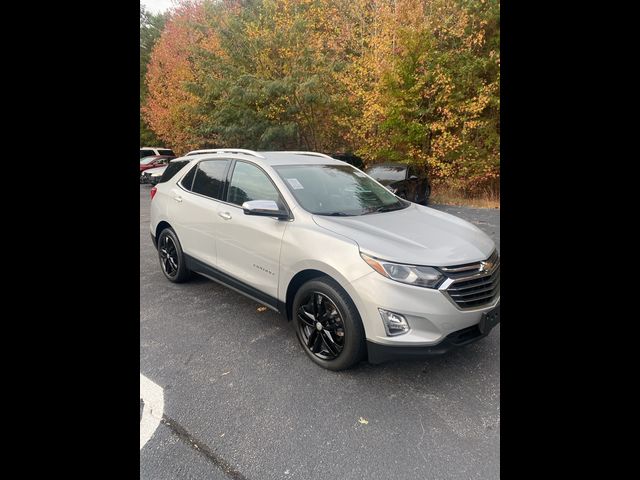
[389, 208]
[335, 214]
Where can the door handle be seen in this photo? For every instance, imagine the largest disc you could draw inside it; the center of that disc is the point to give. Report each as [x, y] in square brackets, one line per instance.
[178, 198]
[225, 215]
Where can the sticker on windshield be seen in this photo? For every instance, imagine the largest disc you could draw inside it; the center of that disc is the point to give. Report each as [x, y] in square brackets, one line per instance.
[295, 183]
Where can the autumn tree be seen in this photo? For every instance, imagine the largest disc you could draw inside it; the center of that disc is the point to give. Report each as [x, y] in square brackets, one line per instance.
[405, 80]
[151, 26]
[169, 106]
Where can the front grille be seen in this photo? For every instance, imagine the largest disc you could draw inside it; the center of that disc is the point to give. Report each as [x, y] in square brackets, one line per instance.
[475, 284]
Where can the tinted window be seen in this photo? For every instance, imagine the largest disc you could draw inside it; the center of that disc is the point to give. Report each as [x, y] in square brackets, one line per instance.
[250, 183]
[187, 180]
[210, 177]
[146, 153]
[337, 190]
[164, 151]
[388, 172]
[172, 169]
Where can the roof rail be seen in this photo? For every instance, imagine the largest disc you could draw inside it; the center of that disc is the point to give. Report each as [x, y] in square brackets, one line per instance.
[314, 154]
[225, 150]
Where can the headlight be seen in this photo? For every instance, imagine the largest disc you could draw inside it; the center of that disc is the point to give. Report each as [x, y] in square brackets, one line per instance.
[412, 274]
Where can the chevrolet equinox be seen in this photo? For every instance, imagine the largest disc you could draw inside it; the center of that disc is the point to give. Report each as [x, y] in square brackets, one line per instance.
[360, 272]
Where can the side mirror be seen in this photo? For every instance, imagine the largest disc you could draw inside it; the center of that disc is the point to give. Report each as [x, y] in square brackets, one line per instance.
[264, 208]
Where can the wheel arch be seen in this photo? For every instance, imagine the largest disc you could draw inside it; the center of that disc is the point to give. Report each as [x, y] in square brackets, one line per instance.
[159, 228]
[296, 282]
[316, 271]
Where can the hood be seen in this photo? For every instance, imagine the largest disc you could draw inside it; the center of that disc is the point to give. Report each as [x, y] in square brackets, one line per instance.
[416, 235]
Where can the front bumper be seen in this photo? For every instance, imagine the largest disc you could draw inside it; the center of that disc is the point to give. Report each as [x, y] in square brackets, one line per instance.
[431, 315]
[379, 353]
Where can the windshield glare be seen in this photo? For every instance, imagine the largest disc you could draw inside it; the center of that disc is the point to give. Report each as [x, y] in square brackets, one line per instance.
[387, 172]
[337, 190]
[147, 160]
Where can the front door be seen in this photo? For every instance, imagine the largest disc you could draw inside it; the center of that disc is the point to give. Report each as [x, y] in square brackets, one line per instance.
[249, 246]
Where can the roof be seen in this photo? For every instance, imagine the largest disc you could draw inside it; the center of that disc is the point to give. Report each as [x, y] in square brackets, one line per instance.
[270, 158]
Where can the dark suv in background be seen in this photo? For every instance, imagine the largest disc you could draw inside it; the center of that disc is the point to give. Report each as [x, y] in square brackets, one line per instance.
[403, 180]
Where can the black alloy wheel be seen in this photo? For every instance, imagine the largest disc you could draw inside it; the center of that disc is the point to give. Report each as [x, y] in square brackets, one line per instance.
[328, 324]
[171, 258]
[321, 326]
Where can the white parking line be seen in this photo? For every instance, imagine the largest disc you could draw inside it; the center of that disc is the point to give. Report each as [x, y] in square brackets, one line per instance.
[153, 398]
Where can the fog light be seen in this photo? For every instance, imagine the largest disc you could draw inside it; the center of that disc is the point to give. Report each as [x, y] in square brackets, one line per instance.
[394, 323]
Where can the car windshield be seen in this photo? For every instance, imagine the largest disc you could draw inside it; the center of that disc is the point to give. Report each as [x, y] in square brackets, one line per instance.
[337, 190]
[147, 160]
[388, 172]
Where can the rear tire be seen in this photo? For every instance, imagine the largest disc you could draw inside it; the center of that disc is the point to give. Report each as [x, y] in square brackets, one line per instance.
[328, 324]
[171, 258]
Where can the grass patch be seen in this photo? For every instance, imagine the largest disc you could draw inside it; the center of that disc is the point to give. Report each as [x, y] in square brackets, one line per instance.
[448, 195]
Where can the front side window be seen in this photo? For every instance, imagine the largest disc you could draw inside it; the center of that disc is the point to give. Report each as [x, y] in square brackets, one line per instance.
[251, 183]
[163, 151]
[209, 178]
[337, 190]
[146, 153]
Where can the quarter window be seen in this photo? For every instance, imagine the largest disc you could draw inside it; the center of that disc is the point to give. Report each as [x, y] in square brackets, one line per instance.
[187, 180]
[251, 183]
[209, 178]
[172, 169]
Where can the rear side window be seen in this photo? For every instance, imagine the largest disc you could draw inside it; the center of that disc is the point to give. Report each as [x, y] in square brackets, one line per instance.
[172, 169]
[210, 177]
[251, 183]
[146, 153]
[164, 151]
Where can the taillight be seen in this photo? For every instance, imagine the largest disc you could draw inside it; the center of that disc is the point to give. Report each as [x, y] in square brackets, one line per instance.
[153, 192]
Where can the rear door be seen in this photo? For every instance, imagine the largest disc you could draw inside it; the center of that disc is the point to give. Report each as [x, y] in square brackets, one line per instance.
[196, 198]
[249, 246]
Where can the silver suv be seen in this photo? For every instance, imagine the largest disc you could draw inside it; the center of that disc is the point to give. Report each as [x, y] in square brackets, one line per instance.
[360, 272]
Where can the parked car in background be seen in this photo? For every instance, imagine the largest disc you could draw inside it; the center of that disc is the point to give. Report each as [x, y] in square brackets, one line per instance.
[403, 180]
[149, 151]
[357, 270]
[153, 175]
[154, 161]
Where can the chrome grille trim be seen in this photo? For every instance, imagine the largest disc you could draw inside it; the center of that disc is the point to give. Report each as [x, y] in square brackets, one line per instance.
[473, 286]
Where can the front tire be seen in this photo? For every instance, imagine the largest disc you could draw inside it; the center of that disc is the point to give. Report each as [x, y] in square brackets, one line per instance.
[427, 194]
[171, 257]
[328, 324]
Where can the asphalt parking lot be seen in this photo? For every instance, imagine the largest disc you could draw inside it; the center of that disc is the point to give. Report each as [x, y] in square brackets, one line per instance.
[242, 401]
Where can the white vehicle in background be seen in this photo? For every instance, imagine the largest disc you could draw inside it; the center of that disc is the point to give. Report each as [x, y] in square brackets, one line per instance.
[359, 271]
[153, 175]
[149, 151]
